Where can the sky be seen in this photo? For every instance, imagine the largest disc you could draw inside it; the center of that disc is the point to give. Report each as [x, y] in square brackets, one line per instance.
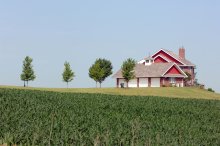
[54, 31]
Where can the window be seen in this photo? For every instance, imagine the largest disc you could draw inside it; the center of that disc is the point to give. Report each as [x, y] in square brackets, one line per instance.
[147, 61]
[172, 80]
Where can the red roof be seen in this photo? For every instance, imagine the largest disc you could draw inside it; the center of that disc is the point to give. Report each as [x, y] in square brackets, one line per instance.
[177, 57]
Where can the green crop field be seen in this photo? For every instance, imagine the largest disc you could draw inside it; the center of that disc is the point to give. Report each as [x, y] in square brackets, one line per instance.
[30, 117]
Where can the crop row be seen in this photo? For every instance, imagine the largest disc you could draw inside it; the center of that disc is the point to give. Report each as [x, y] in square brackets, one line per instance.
[51, 118]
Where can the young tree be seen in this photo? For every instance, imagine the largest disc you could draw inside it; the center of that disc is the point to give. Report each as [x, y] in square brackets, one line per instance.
[27, 72]
[196, 82]
[128, 70]
[100, 70]
[68, 74]
[189, 78]
[96, 73]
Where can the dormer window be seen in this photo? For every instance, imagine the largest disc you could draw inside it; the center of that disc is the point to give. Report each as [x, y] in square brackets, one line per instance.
[149, 60]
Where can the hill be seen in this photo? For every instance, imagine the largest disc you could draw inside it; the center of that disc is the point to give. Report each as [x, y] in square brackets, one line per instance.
[162, 92]
[31, 117]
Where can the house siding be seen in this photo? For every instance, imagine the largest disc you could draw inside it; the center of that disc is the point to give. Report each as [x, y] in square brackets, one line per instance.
[159, 60]
[173, 70]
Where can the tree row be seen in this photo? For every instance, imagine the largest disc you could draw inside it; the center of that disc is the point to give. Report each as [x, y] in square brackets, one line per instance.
[99, 71]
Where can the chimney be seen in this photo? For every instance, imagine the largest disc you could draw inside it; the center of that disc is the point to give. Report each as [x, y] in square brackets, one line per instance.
[182, 53]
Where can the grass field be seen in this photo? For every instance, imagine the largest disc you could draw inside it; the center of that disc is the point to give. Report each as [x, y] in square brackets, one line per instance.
[162, 92]
[31, 117]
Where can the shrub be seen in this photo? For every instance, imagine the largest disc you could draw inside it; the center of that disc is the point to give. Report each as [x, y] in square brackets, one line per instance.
[211, 90]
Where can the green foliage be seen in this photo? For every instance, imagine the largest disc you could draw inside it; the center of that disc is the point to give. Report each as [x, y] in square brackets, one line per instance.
[189, 77]
[106, 65]
[68, 74]
[128, 69]
[100, 70]
[27, 72]
[96, 73]
[211, 90]
[51, 118]
[196, 82]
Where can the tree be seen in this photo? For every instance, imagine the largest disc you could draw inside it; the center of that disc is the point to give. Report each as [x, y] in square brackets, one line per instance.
[189, 78]
[100, 70]
[68, 74]
[96, 73]
[128, 70]
[196, 82]
[27, 72]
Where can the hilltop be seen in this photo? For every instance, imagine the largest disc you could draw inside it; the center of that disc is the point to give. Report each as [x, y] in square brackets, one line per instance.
[175, 92]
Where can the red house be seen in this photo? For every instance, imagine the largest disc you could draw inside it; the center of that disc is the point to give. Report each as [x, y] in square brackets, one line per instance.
[164, 68]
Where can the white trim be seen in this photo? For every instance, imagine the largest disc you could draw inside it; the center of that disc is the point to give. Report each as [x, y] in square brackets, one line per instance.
[156, 52]
[169, 55]
[162, 58]
[174, 64]
[182, 84]
[141, 61]
[188, 65]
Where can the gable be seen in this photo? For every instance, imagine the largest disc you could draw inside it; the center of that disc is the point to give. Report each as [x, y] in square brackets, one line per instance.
[173, 70]
[172, 59]
[155, 70]
[159, 59]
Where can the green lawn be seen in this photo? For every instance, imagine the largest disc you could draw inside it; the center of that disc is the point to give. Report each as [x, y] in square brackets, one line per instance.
[31, 117]
[163, 92]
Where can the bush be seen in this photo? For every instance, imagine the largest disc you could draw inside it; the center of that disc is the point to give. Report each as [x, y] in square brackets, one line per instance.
[172, 85]
[211, 90]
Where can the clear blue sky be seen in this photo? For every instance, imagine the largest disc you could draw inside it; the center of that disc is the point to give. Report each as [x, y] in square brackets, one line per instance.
[52, 31]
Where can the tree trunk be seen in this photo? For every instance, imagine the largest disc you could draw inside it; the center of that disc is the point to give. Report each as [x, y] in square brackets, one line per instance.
[127, 84]
[27, 83]
[100, 85]
[96, 84]
[24, 84]
[67, 86]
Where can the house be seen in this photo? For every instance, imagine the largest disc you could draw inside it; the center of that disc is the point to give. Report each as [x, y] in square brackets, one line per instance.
[164, 68]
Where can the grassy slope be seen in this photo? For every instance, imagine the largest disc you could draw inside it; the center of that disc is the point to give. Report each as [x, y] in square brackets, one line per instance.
[163, 92]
